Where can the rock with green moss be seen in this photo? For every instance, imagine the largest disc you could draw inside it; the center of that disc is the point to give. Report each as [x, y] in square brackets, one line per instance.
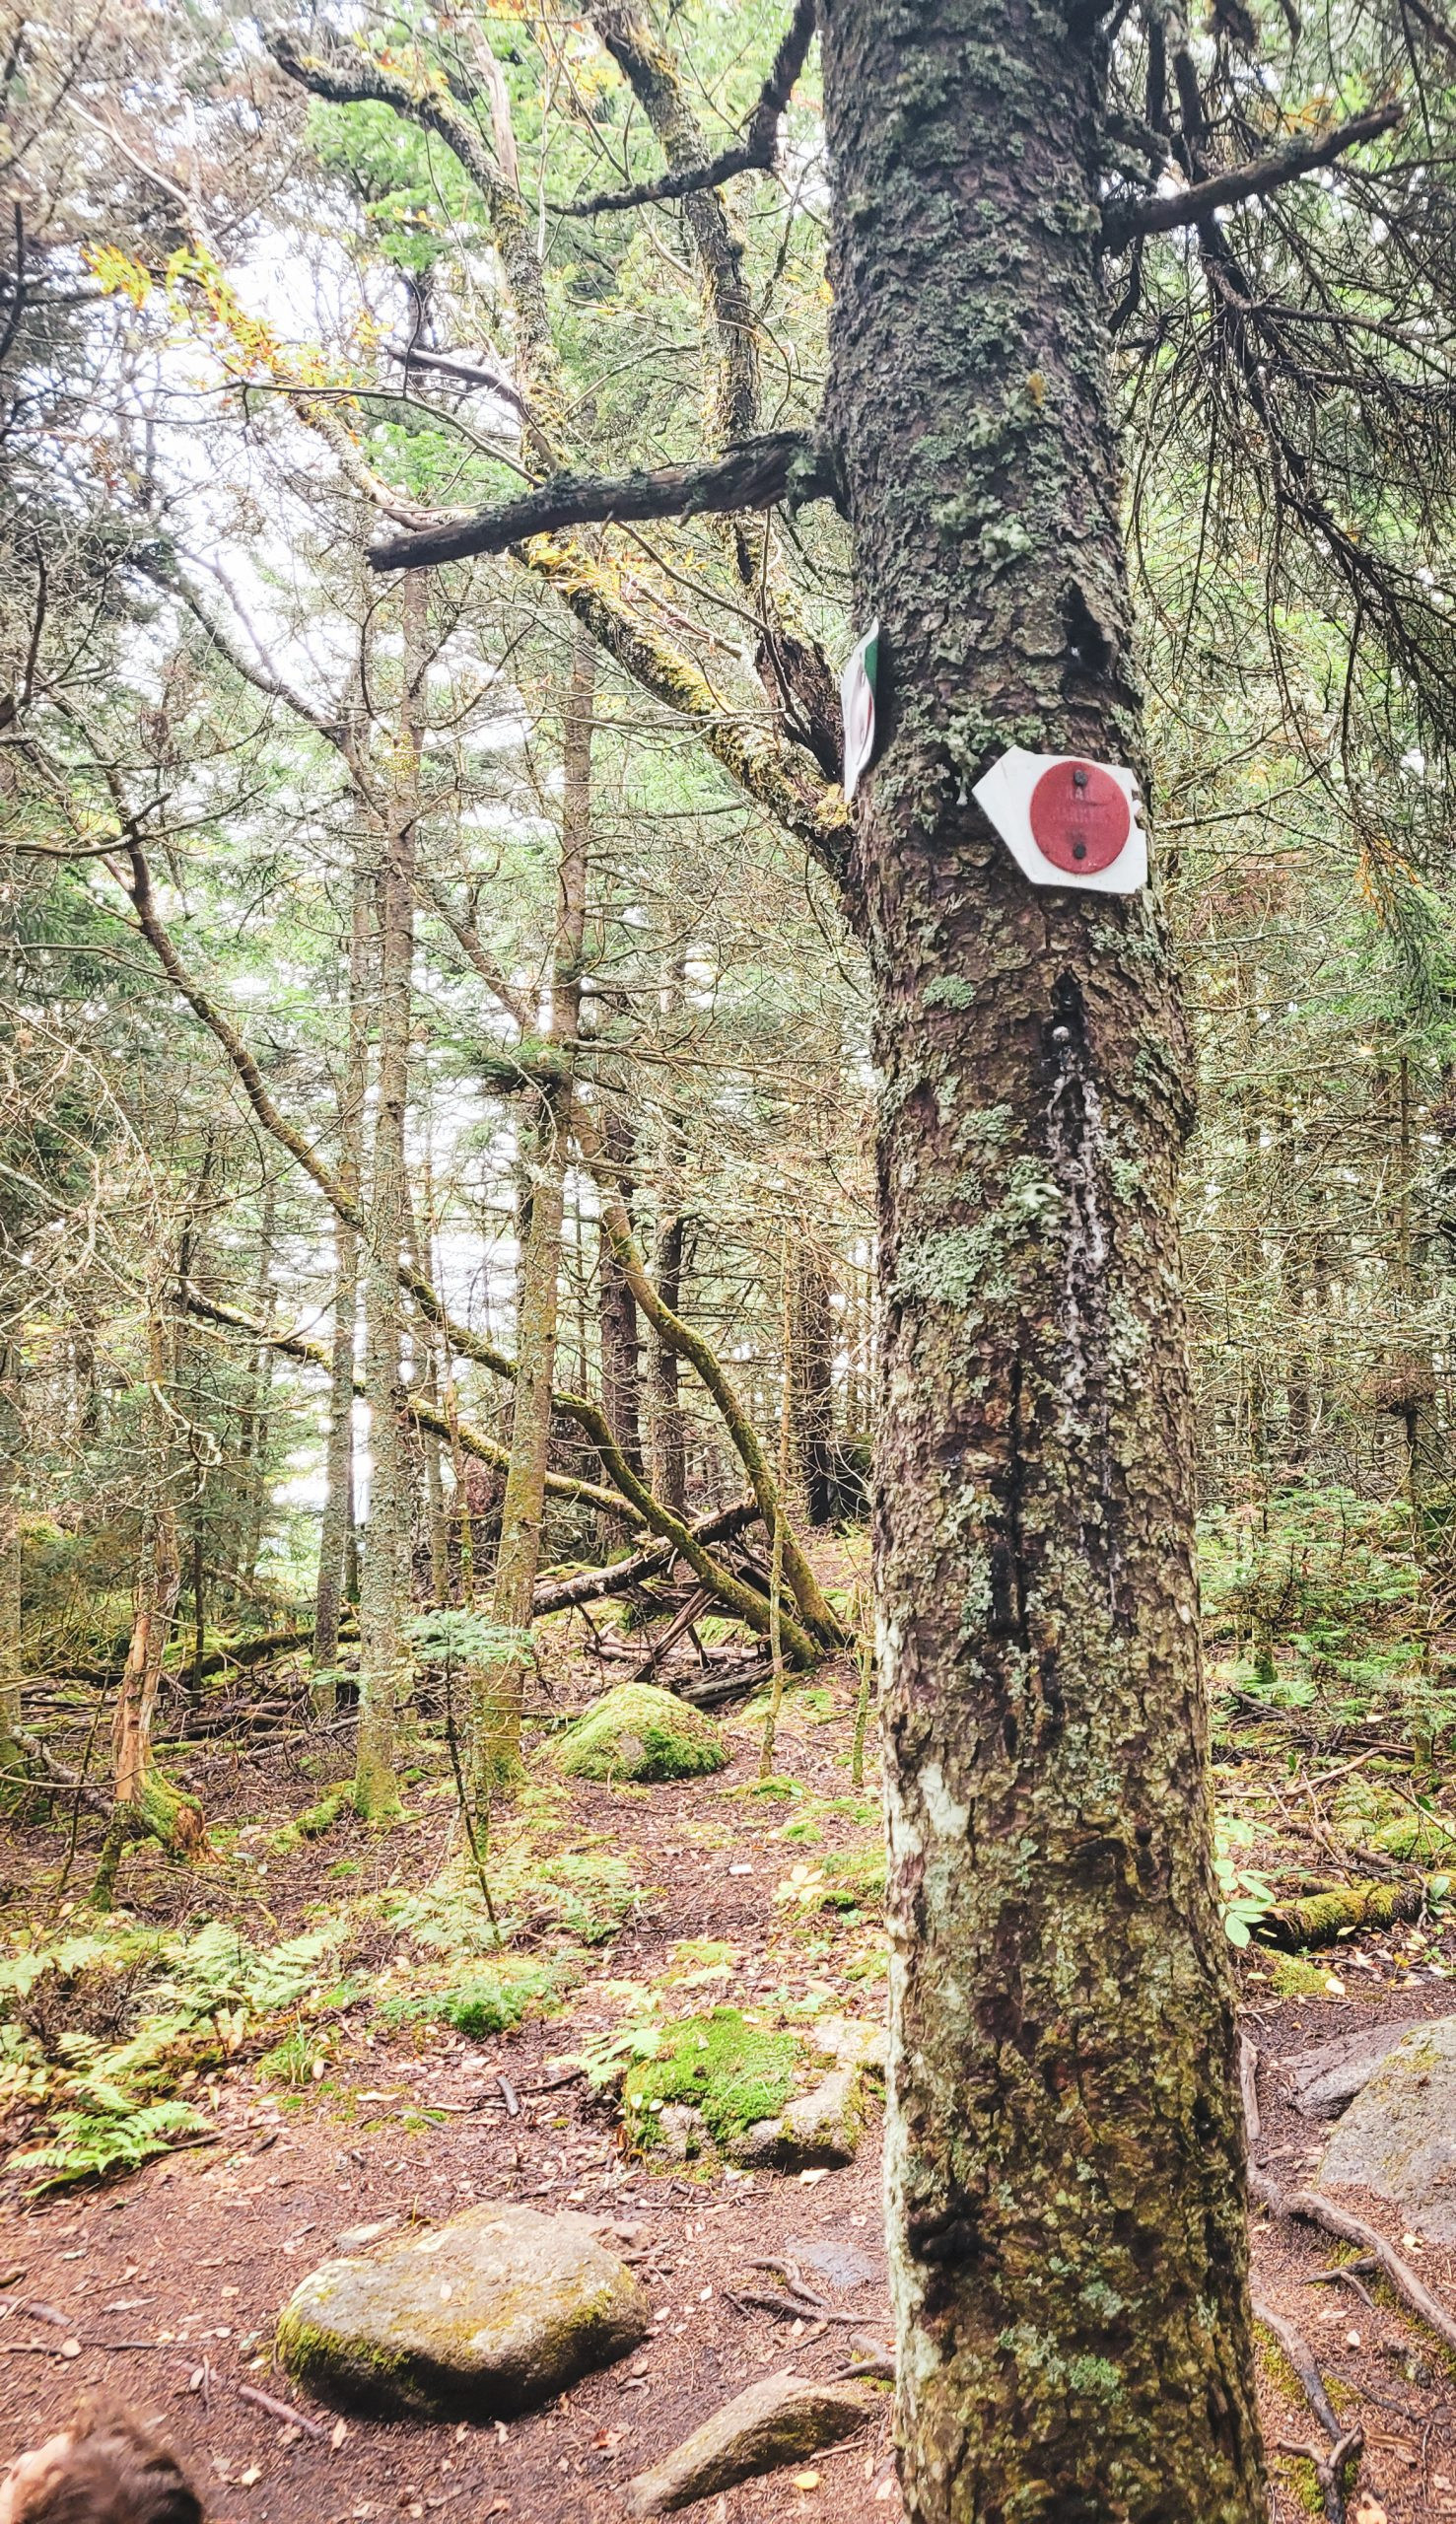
[1398, 2138]
[488, 2315]
[823, 2127]
[710, 2079]
[637, 1731]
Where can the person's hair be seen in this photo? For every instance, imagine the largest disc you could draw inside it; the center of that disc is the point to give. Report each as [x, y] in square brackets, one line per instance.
[106, 2466]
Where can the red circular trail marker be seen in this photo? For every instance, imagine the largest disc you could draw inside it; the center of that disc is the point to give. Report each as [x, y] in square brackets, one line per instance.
[1080, 819]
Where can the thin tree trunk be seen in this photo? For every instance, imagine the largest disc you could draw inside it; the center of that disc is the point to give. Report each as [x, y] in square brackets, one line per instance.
[337, 1529]
[620, 1334]
[1066, 2185]
[11, 1662]
[145, 1802]
[383, 1593]
[500, 1685]
[253, 1448]
[812, 1390]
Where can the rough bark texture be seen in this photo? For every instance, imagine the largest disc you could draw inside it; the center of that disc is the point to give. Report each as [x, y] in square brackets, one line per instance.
[1066, 2186]
[336, 1526]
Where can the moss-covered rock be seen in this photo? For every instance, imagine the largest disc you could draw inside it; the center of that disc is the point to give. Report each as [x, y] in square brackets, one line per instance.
[726, 2071]
[637, 1731]
[486, 2316]
[823, 2127]
[1398, 2138]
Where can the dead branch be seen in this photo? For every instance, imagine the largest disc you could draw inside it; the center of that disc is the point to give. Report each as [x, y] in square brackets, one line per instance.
[782, 464]
[1158, 214]
[756, 150]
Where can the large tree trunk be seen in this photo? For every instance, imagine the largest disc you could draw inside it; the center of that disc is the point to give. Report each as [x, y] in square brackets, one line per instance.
[337, 1523]
[500, 1685]
[1065, 2184]
[383, 1591]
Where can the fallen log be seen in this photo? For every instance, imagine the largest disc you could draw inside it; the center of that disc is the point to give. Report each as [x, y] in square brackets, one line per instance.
[1322, 1917]
[591, 1585]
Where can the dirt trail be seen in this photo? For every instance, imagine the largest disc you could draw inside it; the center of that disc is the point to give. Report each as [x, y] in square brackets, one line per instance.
[170, 2280]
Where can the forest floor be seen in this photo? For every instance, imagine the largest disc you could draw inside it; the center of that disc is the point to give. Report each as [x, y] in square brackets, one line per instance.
[163, 2284]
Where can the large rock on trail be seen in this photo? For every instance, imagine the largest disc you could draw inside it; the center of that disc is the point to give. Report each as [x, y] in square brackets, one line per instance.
[482, 2317]
[779, 2419]
[1329, 2074]
[639, 1731]
[1398, 2138]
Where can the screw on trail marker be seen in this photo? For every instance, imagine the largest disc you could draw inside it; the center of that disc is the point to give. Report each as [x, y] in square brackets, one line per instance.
[857, 700]
[1068, 822]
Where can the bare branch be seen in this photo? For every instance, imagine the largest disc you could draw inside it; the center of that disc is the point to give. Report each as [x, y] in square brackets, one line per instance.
[756, 150]
[785, 465]
[1159, 213]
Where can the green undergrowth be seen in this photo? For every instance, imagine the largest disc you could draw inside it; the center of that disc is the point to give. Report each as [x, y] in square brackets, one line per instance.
[495, 1999]
[96, 2031]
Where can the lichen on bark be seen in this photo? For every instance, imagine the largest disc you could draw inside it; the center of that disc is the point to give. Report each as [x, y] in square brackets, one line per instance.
[1066, 2190]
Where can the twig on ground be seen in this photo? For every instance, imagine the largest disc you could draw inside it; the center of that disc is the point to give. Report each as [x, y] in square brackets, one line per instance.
[1345, 2275]
[281, 2410]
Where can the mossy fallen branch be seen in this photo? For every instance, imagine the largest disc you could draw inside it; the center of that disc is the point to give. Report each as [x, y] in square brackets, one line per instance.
[1323, 1917]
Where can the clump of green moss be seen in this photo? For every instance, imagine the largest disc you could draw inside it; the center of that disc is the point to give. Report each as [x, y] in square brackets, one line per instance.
[731, 2072]
[1295, 1977]
[637, 1731]
[855, 1880]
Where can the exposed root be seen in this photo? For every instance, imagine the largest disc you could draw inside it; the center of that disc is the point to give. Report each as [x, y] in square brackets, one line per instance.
[1329, 2470]
[1303, 2358]
[1315, 2209]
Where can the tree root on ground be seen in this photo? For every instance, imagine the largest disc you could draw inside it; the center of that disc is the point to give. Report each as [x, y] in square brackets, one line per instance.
[1315, 2209]
[1329, 2470]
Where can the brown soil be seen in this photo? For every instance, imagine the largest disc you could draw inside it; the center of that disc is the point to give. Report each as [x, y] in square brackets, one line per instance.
[170, 2280]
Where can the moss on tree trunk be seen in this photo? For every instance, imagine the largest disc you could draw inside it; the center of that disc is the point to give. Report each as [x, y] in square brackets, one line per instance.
[1066, 2182]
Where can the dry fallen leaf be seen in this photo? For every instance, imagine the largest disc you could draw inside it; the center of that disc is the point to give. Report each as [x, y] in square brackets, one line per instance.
[806, 2480]
[1369, 2509]
[254, 2472]
[339, 2433]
